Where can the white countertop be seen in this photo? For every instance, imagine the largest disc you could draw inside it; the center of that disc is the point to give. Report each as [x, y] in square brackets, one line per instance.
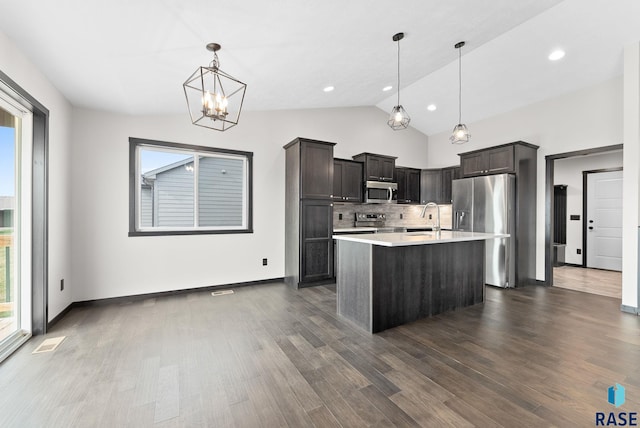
[418, 238]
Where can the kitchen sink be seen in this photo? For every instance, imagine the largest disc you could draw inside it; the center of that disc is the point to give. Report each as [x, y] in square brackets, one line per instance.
[419, 229]
[430, 233]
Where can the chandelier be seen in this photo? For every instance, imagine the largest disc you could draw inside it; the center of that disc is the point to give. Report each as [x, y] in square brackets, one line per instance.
[214, 97]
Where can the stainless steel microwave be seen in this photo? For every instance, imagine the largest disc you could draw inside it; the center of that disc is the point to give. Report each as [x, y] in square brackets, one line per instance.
[380, 192]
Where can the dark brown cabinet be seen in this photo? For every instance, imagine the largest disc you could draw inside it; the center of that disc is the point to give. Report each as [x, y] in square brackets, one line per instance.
[316, 240]
[316, 170]
[408, 180]
[430, 185]
[347, 180]
[435, 184]
[448, 175]
[496, 160]
[308, 212]
[377, 167]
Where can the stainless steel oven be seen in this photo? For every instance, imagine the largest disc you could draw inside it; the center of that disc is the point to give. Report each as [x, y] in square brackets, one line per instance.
[381, 192]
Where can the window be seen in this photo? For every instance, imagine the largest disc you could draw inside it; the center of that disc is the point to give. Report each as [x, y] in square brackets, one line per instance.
[179, 189]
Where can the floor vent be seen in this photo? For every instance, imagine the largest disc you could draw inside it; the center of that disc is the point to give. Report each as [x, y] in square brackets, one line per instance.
[49, 345]
[221, 292]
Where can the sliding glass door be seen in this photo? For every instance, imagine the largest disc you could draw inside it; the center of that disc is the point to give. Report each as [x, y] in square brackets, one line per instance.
[15, 227]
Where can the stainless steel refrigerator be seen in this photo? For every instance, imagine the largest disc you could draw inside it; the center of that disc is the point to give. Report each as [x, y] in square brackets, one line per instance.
[488, 204]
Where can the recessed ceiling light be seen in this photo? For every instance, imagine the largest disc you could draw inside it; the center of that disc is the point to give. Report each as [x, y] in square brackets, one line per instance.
[328, 88]
[387, 88]
[431, 107]
[556, 55]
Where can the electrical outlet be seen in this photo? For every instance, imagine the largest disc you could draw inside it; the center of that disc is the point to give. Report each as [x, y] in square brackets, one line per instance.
[61, 284]
[579, 251]
[264, 262]
[401, 217]
[430, 216]
[339, 216]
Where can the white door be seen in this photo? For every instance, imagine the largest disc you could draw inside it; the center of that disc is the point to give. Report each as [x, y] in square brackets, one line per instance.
[604, 220]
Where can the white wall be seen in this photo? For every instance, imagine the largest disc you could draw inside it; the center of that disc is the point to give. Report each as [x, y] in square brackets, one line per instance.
[107, 263]
[585, 119]
[631, 184]
[569, 171]
[15, 65]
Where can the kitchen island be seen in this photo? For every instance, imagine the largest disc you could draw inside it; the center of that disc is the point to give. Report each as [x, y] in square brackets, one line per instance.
[388, 279]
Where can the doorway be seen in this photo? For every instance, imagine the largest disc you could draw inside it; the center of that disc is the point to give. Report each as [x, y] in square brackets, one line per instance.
[15, 222]
[29, 217]
[568, 169]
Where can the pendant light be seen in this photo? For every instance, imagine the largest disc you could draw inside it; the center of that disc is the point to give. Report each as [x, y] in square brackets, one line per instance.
[460, 134]
[214, 98]
[398, 119]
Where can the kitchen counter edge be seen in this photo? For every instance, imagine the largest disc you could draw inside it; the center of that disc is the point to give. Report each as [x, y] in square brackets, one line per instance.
[418, 238]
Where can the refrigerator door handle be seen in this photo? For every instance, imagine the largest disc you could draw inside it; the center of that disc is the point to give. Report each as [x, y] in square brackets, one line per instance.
[459, 216]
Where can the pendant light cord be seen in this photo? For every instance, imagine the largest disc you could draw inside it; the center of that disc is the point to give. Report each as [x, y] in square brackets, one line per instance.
[398, 103]
[460, 84]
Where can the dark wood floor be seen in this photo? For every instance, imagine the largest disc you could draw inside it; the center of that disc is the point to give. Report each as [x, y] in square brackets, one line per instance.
[270, 356]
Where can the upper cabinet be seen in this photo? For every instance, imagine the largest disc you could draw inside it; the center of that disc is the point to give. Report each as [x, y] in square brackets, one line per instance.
[495, 160]
[408, 185]
[377, 167]
[448, 175]
[347, 180]
[316, 169]
[435, 184]
[431, 185]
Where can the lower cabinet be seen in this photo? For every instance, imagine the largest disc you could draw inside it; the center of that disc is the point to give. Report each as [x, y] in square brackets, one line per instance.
[316, 228]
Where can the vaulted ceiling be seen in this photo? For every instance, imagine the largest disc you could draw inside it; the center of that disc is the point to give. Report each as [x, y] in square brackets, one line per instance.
[133, 56]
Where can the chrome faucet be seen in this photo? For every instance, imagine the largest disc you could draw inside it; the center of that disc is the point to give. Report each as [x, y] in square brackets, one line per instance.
[424, 209]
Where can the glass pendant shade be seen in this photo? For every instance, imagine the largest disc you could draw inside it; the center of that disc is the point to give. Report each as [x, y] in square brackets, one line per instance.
[398, 119]
[214, 97]
[460, 134]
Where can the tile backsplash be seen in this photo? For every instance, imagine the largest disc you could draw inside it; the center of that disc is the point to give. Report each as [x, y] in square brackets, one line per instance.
[397, 214]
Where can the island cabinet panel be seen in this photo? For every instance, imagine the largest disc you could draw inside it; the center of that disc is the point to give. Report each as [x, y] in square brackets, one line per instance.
[354, 300]
[380, 287]
[420, 281]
